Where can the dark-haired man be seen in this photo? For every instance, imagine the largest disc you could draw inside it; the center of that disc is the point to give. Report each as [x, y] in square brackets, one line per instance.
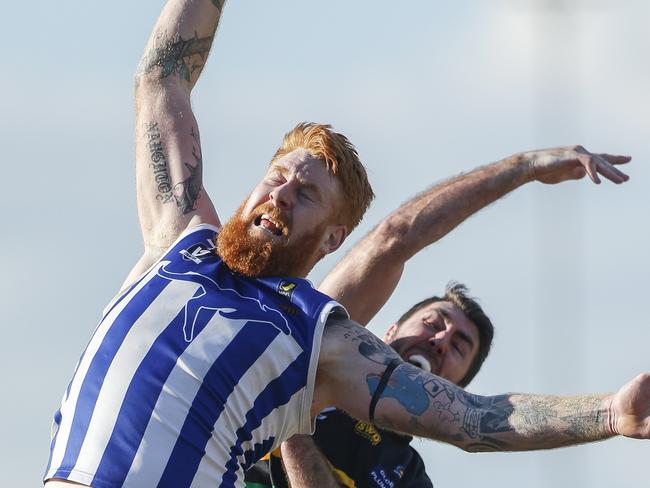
[215, 353]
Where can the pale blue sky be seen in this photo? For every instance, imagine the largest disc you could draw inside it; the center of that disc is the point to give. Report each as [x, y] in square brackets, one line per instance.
[425, 89]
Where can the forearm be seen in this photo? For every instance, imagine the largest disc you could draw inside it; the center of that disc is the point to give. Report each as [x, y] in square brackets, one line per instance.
[434, 213]
[305, 465]
[367, 276]
[510, 422]
[180, 42]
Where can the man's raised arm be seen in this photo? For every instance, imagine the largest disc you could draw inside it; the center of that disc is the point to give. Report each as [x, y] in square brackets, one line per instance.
[169, 160]
[366, 277]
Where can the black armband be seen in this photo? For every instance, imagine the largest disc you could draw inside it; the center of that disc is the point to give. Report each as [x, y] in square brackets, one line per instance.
[380, 387]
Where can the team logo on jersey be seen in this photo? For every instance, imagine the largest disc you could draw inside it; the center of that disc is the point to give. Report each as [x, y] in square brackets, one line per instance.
[364, 429]
[399, 471]
[285, 288]
[197, 252]
[221, 301]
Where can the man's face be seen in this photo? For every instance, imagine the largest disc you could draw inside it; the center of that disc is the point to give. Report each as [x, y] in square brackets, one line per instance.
[287, 223]
[439, 336]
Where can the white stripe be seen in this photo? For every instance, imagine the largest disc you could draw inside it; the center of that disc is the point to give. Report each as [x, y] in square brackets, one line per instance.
[69, 406]
[135, 347]
[278, 356]
[176, 399]
[281, 429]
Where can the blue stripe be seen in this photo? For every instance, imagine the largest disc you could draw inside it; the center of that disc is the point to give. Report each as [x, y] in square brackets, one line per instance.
[278, 392]
[126, 293]
[142, 395]
[197, 237]
[259, 450]
[99, 365]
[57, 421]
[239, 356]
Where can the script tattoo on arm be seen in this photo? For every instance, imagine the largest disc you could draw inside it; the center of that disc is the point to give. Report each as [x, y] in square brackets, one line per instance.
[438, 408]
[185, 193]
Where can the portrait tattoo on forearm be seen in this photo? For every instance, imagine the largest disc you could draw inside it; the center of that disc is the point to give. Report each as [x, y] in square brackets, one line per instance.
[185, 193]
[177, 56]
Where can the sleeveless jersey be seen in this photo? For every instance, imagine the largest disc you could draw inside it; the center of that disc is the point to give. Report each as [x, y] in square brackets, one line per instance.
[193, 373]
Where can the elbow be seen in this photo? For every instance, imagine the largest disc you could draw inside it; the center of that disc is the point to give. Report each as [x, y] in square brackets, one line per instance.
[146, 82]
[392, 238]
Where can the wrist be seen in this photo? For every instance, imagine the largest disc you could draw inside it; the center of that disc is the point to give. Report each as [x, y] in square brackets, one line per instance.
[525, 162]
[520, 169]
[609, 417]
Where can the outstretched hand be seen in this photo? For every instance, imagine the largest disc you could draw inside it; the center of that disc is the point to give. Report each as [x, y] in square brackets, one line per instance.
[630, 409]
[573, 163]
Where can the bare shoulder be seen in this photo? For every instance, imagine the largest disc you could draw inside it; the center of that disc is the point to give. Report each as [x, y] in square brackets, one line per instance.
[349, 353]
[344, 340]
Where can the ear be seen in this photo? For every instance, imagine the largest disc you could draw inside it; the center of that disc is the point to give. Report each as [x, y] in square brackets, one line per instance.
[388, 335]
[333, 238]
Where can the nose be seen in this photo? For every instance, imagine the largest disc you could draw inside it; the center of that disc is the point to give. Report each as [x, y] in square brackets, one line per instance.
[440, 342]
[280, 196]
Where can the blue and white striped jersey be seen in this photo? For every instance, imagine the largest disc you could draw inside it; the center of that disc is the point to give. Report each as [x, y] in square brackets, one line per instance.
[193, 372]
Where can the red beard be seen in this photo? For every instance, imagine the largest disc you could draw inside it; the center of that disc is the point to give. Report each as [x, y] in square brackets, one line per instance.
[257, 257]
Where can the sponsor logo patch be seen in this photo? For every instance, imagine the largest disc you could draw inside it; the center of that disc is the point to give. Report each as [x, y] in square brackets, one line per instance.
[285, 288]
[364, 429]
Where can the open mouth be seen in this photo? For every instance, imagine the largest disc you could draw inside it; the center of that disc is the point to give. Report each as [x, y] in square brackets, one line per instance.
[420, 361]
[265, 222]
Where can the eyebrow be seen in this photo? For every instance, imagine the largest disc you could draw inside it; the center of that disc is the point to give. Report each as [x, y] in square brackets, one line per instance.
[463, 336]
[308, 186]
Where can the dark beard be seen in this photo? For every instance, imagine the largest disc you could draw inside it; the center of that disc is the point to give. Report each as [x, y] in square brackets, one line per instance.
[254, 257]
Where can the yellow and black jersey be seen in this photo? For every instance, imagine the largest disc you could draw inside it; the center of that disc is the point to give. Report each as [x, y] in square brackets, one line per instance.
[360, 455]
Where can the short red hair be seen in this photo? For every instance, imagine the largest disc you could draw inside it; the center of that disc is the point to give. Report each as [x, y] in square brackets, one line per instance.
[341, 158]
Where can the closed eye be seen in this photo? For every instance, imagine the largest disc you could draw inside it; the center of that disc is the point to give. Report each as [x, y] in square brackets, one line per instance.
[305, 195]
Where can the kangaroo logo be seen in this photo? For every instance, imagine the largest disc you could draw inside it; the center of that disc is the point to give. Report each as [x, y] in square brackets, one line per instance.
[252, 310]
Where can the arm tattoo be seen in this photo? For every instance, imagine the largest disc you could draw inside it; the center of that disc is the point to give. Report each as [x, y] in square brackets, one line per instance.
[177, 56]
[185, 193]
[370, 346]
[498, 423]
[188, 191]
[158, 163]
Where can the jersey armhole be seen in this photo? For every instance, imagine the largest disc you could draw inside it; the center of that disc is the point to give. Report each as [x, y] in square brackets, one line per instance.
[331, 309]
[187, 232]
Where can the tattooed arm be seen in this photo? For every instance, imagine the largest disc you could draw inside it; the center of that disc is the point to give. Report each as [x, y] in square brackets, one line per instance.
[351, 364]
[169, 160]
[366, 277]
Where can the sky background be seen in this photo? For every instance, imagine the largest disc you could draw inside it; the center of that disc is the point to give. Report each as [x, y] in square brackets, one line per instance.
[425, 89]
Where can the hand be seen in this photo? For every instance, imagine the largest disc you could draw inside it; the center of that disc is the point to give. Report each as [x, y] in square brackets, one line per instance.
[629, 411]
[573, 163]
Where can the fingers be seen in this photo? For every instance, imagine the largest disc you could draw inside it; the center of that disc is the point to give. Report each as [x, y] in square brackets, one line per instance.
[610, 172]
[589, 163]
[614, 159]
[603, 164]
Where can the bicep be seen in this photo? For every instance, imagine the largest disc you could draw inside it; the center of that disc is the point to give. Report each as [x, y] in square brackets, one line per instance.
[169, 167]
[363, 281]
[352, 364]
